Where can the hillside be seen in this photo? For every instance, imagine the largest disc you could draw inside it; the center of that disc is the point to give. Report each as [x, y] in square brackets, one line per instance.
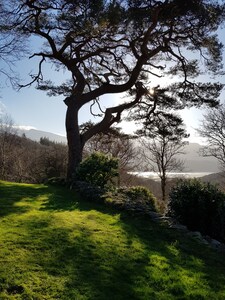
[216, 178]
[55, 246]
[35, 135]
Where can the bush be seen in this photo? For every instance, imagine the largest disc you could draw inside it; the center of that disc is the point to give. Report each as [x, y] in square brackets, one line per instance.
[98, 169]
[141, 195]
[200, 206]
[89, 192]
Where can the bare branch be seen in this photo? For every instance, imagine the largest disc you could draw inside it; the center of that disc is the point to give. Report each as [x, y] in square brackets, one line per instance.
[35, 78]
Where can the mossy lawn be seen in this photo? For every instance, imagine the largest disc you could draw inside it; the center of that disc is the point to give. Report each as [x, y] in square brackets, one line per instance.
[53, 245]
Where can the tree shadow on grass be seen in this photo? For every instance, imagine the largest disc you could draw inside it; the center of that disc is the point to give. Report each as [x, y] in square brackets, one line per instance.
[146, 274]
[60, 199]
[170, 247]
[93, 270]
[199, 271]
[141, 261]
[47, 197]
[63, 199]
[12, 193]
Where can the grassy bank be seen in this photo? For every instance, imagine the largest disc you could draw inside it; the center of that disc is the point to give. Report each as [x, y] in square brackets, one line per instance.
[53, 246]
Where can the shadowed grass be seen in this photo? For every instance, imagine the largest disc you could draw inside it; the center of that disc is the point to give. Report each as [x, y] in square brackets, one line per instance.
[54, 246]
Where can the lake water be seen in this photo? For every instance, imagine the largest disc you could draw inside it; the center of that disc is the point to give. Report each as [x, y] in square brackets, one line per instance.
[154, 176]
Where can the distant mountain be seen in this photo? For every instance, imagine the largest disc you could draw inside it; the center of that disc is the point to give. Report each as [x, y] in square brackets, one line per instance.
[193, 161]
[216, 178]
[35, 135]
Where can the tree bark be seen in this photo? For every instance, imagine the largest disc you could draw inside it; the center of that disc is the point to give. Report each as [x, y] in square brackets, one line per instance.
[163, 186]
[74, 139]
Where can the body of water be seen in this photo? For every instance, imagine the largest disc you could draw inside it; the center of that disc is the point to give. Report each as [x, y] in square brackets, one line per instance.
[154, 176]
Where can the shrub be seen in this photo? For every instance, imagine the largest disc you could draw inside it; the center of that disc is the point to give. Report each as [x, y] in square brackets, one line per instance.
[89, 192]
[142, 195]
[98, 169]
[200, 206]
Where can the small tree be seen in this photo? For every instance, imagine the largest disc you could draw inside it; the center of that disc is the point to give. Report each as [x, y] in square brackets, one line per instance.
[212, 128]
[163, 144]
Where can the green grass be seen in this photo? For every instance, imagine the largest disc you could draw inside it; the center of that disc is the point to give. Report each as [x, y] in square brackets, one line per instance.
[53, 246]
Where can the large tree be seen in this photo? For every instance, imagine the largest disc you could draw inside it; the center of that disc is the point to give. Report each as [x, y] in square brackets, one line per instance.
[111, 47]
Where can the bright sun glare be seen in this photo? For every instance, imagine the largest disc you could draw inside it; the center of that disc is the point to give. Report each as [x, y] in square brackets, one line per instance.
[151, 91]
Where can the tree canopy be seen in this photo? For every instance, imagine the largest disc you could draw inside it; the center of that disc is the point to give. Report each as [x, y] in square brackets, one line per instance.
[111, 47]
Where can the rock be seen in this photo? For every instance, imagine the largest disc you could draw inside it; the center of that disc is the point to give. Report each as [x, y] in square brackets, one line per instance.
[179, 227]
[215, 244]
[195, 234]
[154, 215]
[204, 241]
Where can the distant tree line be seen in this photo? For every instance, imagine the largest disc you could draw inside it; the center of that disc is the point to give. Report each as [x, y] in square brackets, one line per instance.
[24, 160]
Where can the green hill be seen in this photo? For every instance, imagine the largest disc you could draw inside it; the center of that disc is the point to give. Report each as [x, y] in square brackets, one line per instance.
[54, 246]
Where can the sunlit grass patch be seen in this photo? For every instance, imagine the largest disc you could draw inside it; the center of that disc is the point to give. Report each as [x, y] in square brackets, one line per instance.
[55, 246]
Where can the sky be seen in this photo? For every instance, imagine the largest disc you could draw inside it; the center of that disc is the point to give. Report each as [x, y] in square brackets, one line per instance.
[31, 108]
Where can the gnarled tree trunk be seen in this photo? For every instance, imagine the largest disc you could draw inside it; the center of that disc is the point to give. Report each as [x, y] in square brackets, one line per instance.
[74, 139]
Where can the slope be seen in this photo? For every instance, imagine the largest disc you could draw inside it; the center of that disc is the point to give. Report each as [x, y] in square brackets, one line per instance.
[55, 246]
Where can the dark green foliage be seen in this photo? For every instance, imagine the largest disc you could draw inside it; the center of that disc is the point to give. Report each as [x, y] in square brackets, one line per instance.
[200, 206]
[89, 192]
[141, 194]
[98, 169]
